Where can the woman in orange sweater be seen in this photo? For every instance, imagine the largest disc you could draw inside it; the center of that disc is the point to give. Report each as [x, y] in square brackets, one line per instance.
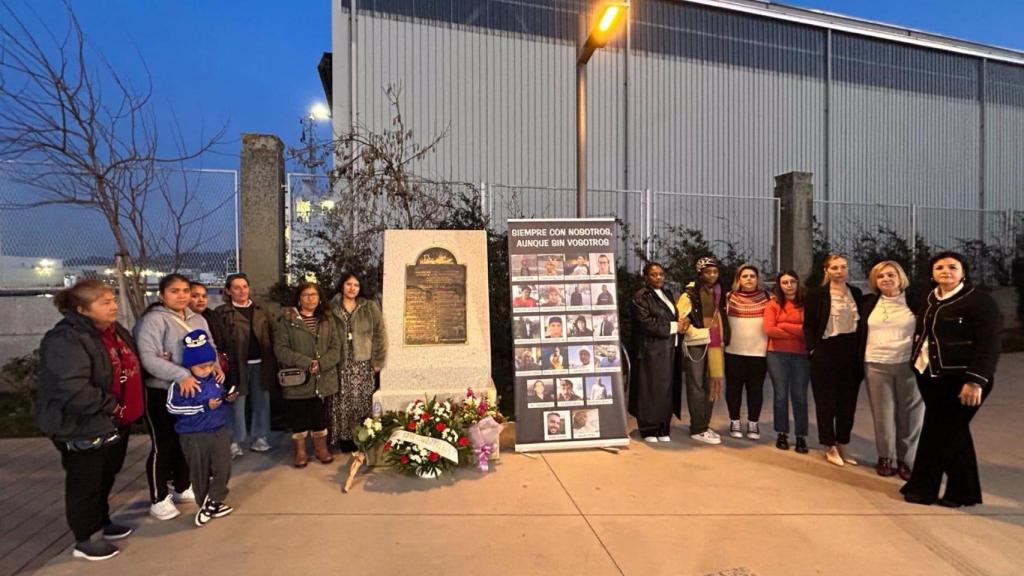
[787, 358]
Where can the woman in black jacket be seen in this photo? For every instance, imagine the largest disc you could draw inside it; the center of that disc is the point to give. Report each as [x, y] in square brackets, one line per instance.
[831, 333]
[655, 386]
[956, 349]
[88, 393]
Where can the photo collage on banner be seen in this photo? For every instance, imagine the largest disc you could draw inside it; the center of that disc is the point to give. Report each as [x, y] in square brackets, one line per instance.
[565, 328]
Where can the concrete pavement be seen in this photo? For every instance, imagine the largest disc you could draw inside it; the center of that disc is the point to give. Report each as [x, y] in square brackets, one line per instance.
[681, 508]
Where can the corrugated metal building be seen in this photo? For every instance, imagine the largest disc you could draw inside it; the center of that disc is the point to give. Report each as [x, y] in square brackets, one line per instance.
[703, 96]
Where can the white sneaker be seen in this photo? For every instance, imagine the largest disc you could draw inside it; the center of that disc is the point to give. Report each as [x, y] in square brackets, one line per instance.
[164, 509]
[753, 432]
[706, 438]
[714, 434]
[735, 430]
[651, 439]
[187, 496]
[260, 445]
[665, 438]
[236, 451]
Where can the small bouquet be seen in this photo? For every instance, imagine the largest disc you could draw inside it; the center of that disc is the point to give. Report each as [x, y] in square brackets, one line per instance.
[485, 422]
[367, 436]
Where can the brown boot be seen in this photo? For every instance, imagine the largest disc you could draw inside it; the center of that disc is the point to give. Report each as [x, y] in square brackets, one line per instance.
[323, 454]
[299, 441]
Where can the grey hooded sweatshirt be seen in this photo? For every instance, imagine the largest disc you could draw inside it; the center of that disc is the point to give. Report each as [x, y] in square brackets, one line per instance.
[162, 331]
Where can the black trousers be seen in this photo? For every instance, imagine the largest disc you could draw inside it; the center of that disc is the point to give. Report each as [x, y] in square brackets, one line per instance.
[645, 429]
[946, 446]
[835, 380]
[209, 459]
[745, 373]
[166, 462]
[307, 414]
[88, 478]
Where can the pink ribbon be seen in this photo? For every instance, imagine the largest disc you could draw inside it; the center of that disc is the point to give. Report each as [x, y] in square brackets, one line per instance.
[483, 453]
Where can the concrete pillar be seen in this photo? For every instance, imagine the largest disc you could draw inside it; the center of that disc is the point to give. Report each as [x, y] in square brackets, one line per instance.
[262, 225]
[795, 193]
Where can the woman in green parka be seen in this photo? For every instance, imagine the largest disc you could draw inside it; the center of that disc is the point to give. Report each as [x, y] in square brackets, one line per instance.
[307, 337]
[365, 346]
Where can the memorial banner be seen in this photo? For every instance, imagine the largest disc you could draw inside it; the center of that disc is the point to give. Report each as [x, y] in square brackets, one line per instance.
[565, 329]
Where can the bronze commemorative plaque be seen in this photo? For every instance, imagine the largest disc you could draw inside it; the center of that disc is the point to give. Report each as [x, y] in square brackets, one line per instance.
[435, 299]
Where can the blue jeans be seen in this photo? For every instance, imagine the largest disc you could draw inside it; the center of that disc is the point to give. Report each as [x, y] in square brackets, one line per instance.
[260, 408]
[790, 375]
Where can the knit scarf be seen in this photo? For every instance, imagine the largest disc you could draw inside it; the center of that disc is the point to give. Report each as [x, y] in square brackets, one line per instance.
[747, 304]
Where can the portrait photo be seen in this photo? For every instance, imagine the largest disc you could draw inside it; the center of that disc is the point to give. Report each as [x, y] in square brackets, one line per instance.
[556, 425]
[578, 295]
[602, 264]
[524, 265]
[551, 265]
[580, 325]
[586, 423]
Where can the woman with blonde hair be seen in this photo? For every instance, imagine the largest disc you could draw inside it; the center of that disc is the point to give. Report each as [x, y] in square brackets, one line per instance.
[887, 336]
[831, 325]
[745, 364]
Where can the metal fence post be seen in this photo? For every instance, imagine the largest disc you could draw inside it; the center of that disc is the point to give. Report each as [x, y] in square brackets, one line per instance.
[913, 239]
[778, 235]
[648, 221]
[483, 201]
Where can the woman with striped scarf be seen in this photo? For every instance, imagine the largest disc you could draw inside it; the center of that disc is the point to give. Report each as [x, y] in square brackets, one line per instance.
[745, 364]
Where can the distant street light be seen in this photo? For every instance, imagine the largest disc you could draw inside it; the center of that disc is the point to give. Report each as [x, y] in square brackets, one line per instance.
[320, 111]
[606, 24]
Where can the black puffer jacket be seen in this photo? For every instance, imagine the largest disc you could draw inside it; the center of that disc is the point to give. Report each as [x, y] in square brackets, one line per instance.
[72, 396]
[962, 334]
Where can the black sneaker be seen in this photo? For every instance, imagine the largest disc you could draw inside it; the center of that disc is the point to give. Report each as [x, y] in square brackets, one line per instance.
[211, 510]
[801, 445]
[95, 550]
[115, 531]
[782, 443]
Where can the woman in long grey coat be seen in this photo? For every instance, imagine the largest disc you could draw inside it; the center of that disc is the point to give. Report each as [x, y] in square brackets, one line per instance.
[655, 391]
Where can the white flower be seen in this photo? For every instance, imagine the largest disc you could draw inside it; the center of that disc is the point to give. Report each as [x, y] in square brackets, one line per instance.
[368, 423]
[410, 407]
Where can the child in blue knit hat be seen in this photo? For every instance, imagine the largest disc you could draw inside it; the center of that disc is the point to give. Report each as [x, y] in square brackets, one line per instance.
[201, 426]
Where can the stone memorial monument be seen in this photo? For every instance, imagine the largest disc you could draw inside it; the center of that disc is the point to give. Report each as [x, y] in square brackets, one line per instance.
[437, 314]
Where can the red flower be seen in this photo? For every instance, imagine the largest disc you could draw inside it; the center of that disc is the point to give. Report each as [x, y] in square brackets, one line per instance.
[440, 427]
[434, 456]
[463, 441]
[425, 416]
[387, 446]
[411, 425]
[404, 459]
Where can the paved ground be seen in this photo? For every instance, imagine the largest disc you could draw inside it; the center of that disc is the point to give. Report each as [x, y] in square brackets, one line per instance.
[680, 509]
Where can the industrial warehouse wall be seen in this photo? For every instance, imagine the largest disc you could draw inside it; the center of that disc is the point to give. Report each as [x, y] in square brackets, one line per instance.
[719, 103]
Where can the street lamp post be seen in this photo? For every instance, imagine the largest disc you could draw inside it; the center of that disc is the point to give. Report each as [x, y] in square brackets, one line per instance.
[604, 28]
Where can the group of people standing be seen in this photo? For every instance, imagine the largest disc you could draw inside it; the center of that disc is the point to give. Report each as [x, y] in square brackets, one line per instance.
[202, 378]
[928, 362]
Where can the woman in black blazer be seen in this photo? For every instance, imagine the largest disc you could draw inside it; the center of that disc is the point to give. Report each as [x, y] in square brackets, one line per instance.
[956, 349]
[831, 331]
[655, 385]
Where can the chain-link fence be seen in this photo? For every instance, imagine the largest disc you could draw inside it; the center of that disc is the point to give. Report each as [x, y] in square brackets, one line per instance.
[743, 227]
[187, 221]
[866, 233]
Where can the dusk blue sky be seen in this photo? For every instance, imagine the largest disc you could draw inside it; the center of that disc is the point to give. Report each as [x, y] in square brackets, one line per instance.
[253, 64]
